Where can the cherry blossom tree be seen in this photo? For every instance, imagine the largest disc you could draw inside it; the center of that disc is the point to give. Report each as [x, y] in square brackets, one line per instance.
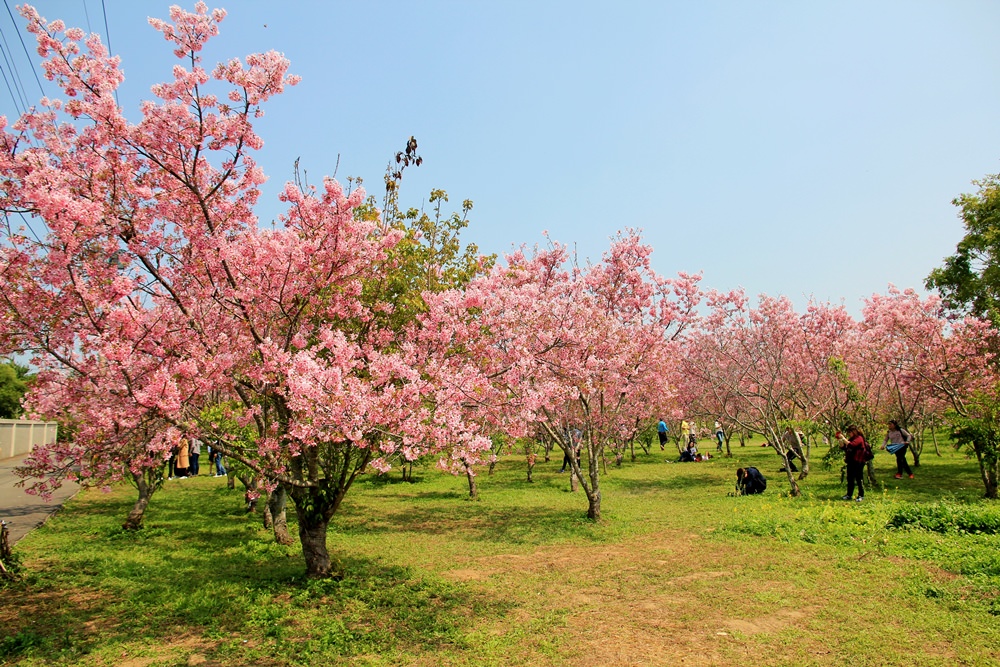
[576, 352]
[144, 288]
[925, 351]
[764, 367]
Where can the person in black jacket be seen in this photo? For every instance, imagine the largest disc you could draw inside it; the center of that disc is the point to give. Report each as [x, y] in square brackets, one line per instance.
[749, 481]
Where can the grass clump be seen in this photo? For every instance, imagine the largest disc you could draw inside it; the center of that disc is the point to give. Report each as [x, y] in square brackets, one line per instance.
[948, 517]
[676, 568]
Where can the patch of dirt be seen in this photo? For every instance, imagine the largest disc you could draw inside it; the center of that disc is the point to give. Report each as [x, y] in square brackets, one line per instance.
[698, 576]
[466, 574]
[622, 607]
[775, 622]
[192, 646]
[22, 606]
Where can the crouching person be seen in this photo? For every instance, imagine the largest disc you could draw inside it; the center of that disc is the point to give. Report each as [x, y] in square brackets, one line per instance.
[749, 481]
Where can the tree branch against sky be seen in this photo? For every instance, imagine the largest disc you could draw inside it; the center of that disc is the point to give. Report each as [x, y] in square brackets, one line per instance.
[766, 144]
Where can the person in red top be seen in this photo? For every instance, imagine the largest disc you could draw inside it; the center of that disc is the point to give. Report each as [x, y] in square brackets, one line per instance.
[855, 448]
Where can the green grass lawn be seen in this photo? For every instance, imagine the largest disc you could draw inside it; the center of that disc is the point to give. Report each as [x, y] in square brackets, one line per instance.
[677, 572]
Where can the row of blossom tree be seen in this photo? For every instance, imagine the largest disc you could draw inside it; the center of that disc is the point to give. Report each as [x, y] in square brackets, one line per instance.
[156, 308]
[766, 367]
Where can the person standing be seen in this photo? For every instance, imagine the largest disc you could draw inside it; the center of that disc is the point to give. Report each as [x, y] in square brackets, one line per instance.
[220, 468]
[183, 460]
[719, 435]
[897, 440]
[693, 433]
[661, 431]
[195, 452]
[855, 456]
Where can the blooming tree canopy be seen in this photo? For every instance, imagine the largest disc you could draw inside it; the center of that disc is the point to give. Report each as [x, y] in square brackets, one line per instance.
[142, 285]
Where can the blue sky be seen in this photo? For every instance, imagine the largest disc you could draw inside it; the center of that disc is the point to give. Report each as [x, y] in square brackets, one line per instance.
[787, 147]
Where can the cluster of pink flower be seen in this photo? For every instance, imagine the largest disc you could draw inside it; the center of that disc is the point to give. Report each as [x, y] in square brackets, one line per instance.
[148, 295]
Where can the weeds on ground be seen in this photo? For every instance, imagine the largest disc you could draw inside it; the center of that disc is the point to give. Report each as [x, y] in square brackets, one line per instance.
[434, 578]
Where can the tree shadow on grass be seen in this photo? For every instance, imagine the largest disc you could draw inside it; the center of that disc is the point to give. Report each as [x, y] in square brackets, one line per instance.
[520, 525]
[672, 483]
[197, 571]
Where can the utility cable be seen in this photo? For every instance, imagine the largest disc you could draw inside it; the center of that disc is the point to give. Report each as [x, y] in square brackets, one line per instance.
[17, 105]
[20, 102]
[87, 14]
[107, 31]
[15, 74]
[25, 47]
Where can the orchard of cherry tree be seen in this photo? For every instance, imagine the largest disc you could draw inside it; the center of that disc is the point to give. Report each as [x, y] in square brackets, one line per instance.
[353, 339]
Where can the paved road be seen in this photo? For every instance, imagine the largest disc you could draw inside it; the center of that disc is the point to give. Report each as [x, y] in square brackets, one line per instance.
[21, 511]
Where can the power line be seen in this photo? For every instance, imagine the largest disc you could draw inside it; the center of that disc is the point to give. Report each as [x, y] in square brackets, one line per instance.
[87, 14]
[25, 47]
[15, 74]
[107, 31]
[17, 105]
[16, 93]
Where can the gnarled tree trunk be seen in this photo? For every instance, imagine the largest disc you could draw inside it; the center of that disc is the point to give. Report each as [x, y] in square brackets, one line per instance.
[146, 484]
[276, 515]
[313, 523]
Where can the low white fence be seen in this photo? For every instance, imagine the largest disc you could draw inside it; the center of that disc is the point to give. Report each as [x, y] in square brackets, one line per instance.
[19, 436]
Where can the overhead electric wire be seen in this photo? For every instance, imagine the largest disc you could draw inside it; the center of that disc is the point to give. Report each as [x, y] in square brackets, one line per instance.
[107, 31]
[17, 105]
[12, 66]
[20, 102]
[25, 47]
[87, 14]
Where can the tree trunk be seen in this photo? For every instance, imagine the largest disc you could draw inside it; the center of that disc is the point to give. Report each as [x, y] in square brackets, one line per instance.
[250, 496]
[989, 469]
[806, 454]
[312, 535]
[594, 505]
[277, 505]
[146, 490]
[473, 490]
[934, 438]
[593, 491]
[779, 446]
[794, 490]
[7, 566]
[314, 508]
[872, 479]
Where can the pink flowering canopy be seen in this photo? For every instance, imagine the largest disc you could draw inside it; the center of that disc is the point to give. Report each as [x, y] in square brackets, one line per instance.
[137, 277]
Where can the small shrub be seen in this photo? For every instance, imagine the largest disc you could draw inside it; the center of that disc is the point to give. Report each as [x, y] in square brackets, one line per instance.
[20, 644]
[945, 517]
